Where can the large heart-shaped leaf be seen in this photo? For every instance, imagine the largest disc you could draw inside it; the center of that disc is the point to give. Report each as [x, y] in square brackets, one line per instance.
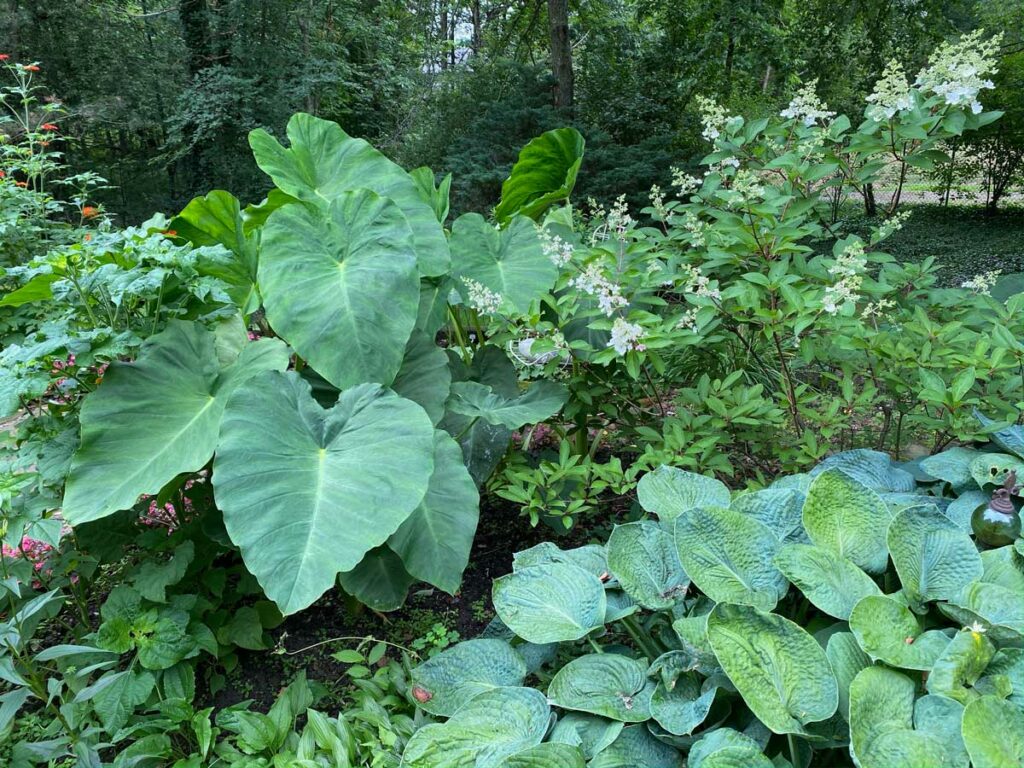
[340, 285]
[642, 556]
[779, 669]
[993, 731]
[1010, 438]
[942, 718]
[590, 557]
[550, 603]
[380, 581]
[781, 509]
[873, 469]
[156, 418]
[323, 162]
[830, 582]
[682, 705]
[635, 746]
[668, 492]
[952, 466]
[960, 666]
[933, 556]
[605, 684]
[424, 376]
[307, 492]
[887, 631]
[992, 469]
[546, 756]
[727, 748]
[848, 518]
[435, 540]
[847, 659]
[997, 606]
[730, 557]
[544, 174]
[509, 262]
[454, 677]
[478, 401]
[590, 733]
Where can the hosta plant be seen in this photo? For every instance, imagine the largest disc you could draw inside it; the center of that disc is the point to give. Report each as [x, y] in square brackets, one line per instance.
[844, 616]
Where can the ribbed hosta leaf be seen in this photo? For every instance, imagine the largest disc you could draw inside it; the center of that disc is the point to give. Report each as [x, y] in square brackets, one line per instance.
[952, 466]
[634, 747]
[960, 666]
[546, 756]
[887, 631]
[605, 684]
[307, 492]
[942, 718]
[454, 677]
[156, 418]
[830, 582]
[590, 557]
[992, 469]
[993, 732]
[934, 558]
[780, 670]
[727, 748]
[668, 492]
[848, 518]
[682, 705]
[873, 469]
[781, 509]
[590, 733]
[996, 605]
[847, 659]
[550, 603]
[642, 556]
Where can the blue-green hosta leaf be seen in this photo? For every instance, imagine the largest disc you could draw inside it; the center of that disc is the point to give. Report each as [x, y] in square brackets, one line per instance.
[800, 481]
[992, 469]
[960, 666]
[634, 747]
[952, 466]
[942, 718]
[590, 557]
[642, 556]
[544, 175]
[618, 605]
[997, 606]
[933, 556]
[963, 506]
[993, 731]
[887, 631]
[343, 480]
[1009, 663]
[848, 518]
[435, 540]
[605, 684]
[379, 581]
[847, 660]
[340, 285]
[546, 756]
[156, 418]
[780, 509]
[454, 677]
[727, 748]
[590, 733]
[509, 262]
[1009, 438]
[1003, 566]
[550, 603]
[730, 557]
[873, 469]
[424, 377]
[323, 162]
[682, 705]
[899, 501]
[693, 636]
[491, 727]
[830, 582]
[540, 402]
[779, 669]
[668, 492]
[881, 724]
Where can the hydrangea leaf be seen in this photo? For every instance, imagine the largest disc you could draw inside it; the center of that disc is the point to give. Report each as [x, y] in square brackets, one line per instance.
[642, 556]
[887, 631]
[156, 418]
[730, 557]
[344, 479]
[550, 603]
[541, 401]
[933, 556]
[873, 469]
[993, 731]
[448, 681]
[848, 518]
[340, 285]
[636, 746]
[779, 669]
[605, 684]
[830, 582]
[668, 492]
[543, 175]
[591, 733]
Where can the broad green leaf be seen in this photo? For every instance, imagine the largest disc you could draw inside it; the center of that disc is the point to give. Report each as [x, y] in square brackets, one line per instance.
[993, 731]
[934, 558]
[847, 659]
[446, 682]
[550, 603]
[343, 480]
[1003, 566]
[830, 582]
[544, 175]
[682, 705]
[847, 518]
[592, 558]
[992, 469]
[642, 556]
[960, 666]
[942, 718]
[10, 704]
[779, 508]
[1009, 438]
[39, 288]
[424, 376]
[727, 748]
[962, 507]
[887, 631]
[154, 576]
[952, 466]
[618, 605]
[730, 557]
[340, 285]
[1009, 662]
[156, 418]
[669, 492]
[245, 629]
[780, 670]
[605, 684]
[635, 746]
[873, 469]
[495, 725]
[435, 540]
[115, 702]
[540, 402]
[380, 581]
[509, 262]
[323, 162]
[995, 605]
[590, 733]
[435, 195]
[546, 756]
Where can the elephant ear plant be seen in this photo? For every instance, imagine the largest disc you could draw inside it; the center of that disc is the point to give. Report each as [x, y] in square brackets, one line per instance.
[844, 616]
[346, 444]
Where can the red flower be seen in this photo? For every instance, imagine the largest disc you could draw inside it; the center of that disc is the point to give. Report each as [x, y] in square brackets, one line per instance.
[4, 56]
[169, 233]
[31, 68]
[89, 211]
[48, 127]
[2, 175]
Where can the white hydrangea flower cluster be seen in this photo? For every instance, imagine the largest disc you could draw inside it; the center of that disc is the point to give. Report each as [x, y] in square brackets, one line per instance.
[699, 284]
[683, 182]
[958, 71]
[688, 321]
[696, 228]
[807, 107]
[626, 336]
[482, 298]
[658, 202]
[721, 165]
[555, 248]
[877, 308]
[713, 117]
[893, 224]
[982, 284]
[594, 282]
[745, 188]
[891, 94]
[619, 219]
[848, 268]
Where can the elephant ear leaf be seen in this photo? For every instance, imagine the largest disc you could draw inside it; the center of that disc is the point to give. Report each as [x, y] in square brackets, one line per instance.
[344, 480]
[541, 401]
[544, 175]
[156, 418]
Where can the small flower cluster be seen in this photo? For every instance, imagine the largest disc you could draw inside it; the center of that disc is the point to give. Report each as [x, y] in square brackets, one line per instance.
[877, 308]
[683, 182]
[626, 336]
[807, 107]
[555, 248]
[891, 94]
[745, 188]
[33, 550]
[696, 229]
[958, 71]
[619, 219]
[658, 202]
[848, 268]
[482, 298]
[982, 284]
[699, 284]
[593, 282]
[893, 224]
[688, 321]
[713, 117]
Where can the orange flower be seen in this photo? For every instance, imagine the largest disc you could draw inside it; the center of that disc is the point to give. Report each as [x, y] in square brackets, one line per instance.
[88, 237]
[21, 183]
[89, 211]
[31, 68]
[2, 175]
[169, 233]
[44, 143]
[48, 127]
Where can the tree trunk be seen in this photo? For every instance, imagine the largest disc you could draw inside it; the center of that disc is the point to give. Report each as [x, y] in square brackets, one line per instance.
[561, 52]
[444, 34]
[477, 27]
[195, 30]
